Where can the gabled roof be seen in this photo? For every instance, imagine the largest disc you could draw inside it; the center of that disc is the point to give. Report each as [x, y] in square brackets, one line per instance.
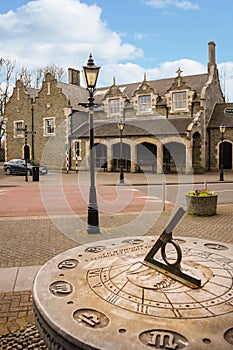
[161, 86]
[76, 94]
[219, 117]
[135, 127]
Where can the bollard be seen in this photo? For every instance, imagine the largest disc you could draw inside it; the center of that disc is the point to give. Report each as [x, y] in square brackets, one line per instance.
[163, 195]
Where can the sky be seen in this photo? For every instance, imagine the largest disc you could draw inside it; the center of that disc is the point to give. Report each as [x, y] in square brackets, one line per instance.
[127, 38]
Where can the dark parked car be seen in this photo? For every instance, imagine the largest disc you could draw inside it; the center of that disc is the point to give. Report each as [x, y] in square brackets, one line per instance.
[17, 166]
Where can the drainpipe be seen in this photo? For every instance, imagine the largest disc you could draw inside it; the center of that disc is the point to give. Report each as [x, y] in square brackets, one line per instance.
[209, 150]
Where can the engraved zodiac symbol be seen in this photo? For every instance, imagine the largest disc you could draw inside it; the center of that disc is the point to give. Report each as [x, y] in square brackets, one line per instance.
[162, 336]
[68, 264]
[91, 319]
[60, 288]
[96, 249]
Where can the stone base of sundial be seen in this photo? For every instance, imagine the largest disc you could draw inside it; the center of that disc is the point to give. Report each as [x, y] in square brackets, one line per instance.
[102, 296]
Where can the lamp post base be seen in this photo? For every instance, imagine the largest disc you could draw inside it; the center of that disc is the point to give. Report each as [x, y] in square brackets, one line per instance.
[93, 220]
[122, 180]
[221, 177]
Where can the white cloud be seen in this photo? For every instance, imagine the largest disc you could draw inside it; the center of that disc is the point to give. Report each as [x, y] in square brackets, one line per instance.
[130, 72]
[182, 4]
[64, 32]
[140, 36]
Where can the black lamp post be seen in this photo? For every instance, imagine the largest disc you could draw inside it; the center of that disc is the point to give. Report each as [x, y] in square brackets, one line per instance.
[222, 129]
[121, 126]
[91, 72]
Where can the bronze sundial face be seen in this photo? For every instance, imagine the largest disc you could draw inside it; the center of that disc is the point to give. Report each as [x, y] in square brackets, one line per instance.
[102, 296]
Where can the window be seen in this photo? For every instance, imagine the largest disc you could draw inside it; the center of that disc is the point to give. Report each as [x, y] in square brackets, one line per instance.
[49, 126]
[144, 104]
[179, 100]
[114, 106]
[18, 124]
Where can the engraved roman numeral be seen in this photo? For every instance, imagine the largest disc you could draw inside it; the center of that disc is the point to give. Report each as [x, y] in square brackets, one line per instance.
[99, 284]
[112, 298]
[94, 273]
[143, 309]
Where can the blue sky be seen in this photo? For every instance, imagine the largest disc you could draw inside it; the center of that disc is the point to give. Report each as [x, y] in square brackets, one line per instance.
[126, 37]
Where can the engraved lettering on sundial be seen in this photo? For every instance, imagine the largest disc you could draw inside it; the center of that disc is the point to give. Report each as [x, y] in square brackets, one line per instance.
[164, 340]
[68, 264]
[60, 288]
[91, 318]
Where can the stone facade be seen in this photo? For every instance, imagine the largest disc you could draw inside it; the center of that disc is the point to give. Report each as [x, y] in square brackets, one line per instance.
[165, 122]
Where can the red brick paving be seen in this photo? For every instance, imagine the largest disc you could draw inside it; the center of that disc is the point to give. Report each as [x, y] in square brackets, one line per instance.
[67, 199]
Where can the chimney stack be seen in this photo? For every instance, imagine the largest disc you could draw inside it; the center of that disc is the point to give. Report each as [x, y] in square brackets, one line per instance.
[212, 61]
[74, 76]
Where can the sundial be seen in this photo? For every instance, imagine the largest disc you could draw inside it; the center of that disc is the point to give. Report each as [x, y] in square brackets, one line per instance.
[107, 295]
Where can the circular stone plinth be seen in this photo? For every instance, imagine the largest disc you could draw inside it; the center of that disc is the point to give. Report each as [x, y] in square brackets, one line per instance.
[102, 296]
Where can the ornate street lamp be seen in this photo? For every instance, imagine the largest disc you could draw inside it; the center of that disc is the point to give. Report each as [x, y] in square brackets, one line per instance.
[222, 129]
[121, 126]
[91, 72]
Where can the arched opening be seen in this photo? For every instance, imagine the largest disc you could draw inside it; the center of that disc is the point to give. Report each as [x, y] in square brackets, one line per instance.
[227, 155]
[101, 156]
[126, 158]
[196, 153]
[174, 157]
[146, 157]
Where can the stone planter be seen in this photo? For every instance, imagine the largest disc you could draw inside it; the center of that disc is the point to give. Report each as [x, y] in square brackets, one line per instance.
[204, 206]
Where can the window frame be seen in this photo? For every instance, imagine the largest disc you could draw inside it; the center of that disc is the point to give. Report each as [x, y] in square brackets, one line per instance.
[18, 134]
[145, 107]
[180, 104]
[46, 133]
[114, 109]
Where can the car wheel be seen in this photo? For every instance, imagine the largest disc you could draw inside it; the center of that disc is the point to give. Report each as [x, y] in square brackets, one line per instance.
[8, 171]
[29, 173]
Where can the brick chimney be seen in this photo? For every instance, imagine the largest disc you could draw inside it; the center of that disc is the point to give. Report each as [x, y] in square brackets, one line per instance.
[74, 76]
[212, 61]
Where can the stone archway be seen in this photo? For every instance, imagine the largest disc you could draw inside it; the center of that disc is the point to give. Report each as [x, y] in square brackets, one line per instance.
[101, 155]
[126, 156]
[146, 157]
[174, 157]
[227, 155]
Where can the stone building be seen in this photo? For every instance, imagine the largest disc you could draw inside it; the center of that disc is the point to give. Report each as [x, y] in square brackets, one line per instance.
[222, 115]
[165, 122]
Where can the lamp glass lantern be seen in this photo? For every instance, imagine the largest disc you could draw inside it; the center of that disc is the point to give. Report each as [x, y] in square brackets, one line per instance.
[222, 128]
[91, 72]
[121, 126]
